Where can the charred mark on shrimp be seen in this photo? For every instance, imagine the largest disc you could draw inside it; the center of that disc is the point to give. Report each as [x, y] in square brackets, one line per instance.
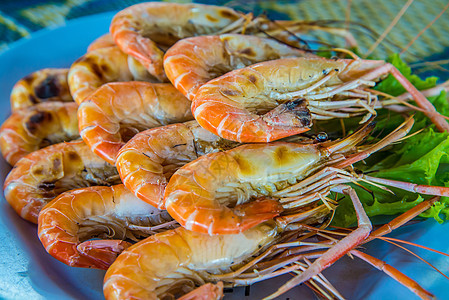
[212, 19]
[34, 122]
[37, 171]
[227, 14]
[252, 78]
[230, 92]
[299, 107]
[248, 51]
[73, 156]
[48, 186]
[48, 88]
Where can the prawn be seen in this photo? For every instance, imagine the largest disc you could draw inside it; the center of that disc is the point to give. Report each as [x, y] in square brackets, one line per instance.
[270, 100]
[254, 183]
[234, 190]
[97, 212]
[103, 41]
[101, 66]
[42, 175]
[143, 29]
[191, 62]
[49, 84]
[158, 158]
[41, 86]
[37, 126]
[117, 111]
[160, 265]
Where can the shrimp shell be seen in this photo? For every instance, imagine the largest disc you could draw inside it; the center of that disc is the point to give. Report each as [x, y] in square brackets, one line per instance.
[43, 174]
[116, 111]
[138, 28]
[152, 268]
[194, 61]
[38, 126]
[258, 103]
[49, 84]
[41, 86]
[101, 212]
[101, 66]
[148, 160]
[231, 191]
[103, 41]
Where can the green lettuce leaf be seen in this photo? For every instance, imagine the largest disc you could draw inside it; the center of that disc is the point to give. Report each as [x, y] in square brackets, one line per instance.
[422, 158]
[391, 86]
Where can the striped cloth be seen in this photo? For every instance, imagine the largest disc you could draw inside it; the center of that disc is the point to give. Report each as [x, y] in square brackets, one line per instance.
[20, 18]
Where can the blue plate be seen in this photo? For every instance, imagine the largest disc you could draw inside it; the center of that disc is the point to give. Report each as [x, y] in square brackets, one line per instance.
[26, 270]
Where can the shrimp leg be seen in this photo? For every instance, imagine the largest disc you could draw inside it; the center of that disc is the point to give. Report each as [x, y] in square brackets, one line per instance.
[429, 109]
[395, 274]
[341, 248]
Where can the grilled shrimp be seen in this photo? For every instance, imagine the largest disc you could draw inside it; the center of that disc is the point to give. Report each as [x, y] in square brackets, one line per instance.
[103, 41]
[138, 28]
[251, 184]
[97, 212]
[274, 99]
[117, 111]
[38, 126]
[101, 66]
[49, 84]
[169, 264]
[41, 86]
[44, 174]
[232, 191]
[148, 160]
[194, 61]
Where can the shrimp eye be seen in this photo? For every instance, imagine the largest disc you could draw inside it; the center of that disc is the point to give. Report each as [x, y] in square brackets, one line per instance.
[321, 137]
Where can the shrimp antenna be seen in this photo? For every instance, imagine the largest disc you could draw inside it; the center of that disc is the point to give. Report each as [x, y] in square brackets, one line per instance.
[416, 255]
[300, 40]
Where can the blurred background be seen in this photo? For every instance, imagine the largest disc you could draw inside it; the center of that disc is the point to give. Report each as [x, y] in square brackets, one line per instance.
[428, 55]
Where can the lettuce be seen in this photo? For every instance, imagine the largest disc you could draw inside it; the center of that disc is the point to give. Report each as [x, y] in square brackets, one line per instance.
[422, 159]
[391, 86]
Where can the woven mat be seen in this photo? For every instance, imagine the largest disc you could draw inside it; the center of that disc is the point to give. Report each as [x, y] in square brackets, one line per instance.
[19, 18]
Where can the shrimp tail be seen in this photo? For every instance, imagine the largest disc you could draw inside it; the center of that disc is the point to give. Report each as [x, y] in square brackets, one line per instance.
[205, 292]
[103, 252]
